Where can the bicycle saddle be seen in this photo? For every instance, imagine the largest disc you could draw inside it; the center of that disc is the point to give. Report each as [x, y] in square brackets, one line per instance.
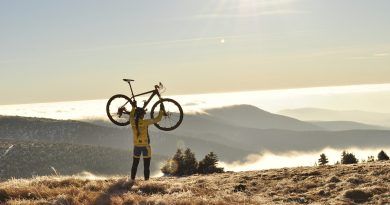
[128, 80]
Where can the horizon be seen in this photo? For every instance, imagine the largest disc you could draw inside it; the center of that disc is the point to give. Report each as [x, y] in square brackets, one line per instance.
[352, 98]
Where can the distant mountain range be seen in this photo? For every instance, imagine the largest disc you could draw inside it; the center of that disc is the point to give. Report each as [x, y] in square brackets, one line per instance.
[318, 114]
[346, 125]
[253, 117]
[231, 132]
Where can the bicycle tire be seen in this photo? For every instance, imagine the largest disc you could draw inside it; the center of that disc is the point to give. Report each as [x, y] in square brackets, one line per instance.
[108, 110]
[181, 114]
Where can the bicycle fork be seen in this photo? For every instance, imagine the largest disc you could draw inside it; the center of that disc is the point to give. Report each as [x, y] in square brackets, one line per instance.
[159, 97]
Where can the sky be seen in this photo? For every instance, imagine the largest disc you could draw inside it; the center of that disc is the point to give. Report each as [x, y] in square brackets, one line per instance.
[69, 50]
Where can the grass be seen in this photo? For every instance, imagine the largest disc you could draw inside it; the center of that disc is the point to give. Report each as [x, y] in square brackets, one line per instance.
[338, 184]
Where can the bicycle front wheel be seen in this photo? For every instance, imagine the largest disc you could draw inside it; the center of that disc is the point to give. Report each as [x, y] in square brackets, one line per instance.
[118, 109]
[174, 114]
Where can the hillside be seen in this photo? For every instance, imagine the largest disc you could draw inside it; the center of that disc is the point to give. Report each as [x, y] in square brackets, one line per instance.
[83, 133]
[202, 133]
[23, 159]
[319, 114]
[337, 184]
[253, 117]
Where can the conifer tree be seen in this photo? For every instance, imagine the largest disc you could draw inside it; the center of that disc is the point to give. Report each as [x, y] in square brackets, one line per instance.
[209, 164]
[382, 156]
[190, 165]
[323, 160]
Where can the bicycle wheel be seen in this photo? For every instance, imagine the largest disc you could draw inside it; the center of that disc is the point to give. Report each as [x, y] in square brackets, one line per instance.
[174, 114]
[118, 109]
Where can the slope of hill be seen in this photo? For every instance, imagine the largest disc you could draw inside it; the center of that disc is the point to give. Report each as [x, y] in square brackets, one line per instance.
[66, 131]
[75, 132]
[346, 125]
[340, 184]
[22, 159]
[256, 140]
[199, 132]
[318, 114]
[253, 117]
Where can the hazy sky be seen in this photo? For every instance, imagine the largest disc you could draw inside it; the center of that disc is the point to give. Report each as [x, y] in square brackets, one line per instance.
[73, 50]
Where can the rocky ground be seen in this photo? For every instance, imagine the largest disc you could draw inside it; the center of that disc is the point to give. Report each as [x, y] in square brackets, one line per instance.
[367, 183]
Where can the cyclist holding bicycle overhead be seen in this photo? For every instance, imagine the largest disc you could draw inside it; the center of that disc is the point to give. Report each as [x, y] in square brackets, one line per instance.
[141, 138]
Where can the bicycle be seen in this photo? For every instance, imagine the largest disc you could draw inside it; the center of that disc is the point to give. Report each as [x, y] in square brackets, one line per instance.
[118, 107]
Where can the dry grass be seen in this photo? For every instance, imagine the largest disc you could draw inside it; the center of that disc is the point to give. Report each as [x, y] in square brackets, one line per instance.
[342, 184]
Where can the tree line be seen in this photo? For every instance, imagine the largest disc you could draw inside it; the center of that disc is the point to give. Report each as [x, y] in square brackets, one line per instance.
[350, 158]
[185, 164]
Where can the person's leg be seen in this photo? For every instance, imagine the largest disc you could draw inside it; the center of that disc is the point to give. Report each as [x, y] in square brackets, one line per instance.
[147, 168]
[134, 167]
[136, 156]
[147, 158]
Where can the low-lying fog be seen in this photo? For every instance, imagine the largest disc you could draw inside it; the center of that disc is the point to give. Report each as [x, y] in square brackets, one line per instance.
[374, 97]
[269, 160]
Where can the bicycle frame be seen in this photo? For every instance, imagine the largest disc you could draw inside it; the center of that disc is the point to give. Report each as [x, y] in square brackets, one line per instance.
[154, 92]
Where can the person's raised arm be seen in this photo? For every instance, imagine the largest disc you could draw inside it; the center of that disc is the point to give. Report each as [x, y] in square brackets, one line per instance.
[158, 118]
[132, 112]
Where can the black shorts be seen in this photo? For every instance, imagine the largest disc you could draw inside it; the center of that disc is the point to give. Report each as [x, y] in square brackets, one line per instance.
[145, 151]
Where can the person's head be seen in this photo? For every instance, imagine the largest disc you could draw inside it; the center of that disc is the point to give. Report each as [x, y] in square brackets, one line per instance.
[139, 113]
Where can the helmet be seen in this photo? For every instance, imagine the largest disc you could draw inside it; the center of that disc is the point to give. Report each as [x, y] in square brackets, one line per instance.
[139, 112]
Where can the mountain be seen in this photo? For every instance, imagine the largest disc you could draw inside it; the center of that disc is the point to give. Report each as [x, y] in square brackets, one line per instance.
[24, 159]
[210, 128]
[318, 114]
[346, 125]
[83, 133]
[253, 117]
[366, 183]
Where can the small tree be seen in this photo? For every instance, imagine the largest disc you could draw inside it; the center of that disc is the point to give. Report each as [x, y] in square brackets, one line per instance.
[382, 156]
[190, 164]
[209, 164]
[348, 158]
[323, 160]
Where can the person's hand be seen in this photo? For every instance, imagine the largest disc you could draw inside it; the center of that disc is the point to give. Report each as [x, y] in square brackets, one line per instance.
[133, 103]
[162, 106]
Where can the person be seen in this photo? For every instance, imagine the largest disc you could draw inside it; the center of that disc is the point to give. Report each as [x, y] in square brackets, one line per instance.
[141, 138]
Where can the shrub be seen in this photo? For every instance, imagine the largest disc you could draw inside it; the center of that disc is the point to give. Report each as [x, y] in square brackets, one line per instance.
[382, 156]
[186, 164]
[209, 164]
[371, 159]
[348, 158]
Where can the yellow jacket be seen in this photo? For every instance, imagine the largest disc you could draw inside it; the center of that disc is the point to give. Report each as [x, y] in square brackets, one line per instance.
[142, 139]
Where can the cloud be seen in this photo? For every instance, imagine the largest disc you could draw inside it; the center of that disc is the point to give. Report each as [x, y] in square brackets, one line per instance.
[248, 15]
[373, 56]
[250, 8]
[381, 54]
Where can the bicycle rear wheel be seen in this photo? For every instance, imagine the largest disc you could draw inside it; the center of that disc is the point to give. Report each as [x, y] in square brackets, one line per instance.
[174, 114]
[118, 109]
